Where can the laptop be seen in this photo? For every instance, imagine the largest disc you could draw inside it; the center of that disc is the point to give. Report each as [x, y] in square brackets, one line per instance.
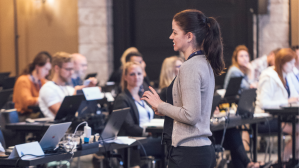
[233, 87]
[216, 101]
[246, 105]
[91, 75]
[53, 135]
[115, 121]
[3, 76]
[4, 96]
[69, 107]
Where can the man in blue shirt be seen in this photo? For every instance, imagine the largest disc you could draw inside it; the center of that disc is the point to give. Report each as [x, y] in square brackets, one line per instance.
[80, 67]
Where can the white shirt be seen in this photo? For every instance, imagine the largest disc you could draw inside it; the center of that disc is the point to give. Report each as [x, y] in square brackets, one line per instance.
[146, 114]
[271, 93]
[293, 77]
[50, 94]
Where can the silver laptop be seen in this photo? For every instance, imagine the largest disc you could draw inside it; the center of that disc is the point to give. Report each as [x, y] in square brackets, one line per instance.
[115, 121]
[53, 135]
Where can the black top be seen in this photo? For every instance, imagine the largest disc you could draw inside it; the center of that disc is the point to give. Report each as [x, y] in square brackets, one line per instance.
[168, 122]
[163, 94]
[130, 126]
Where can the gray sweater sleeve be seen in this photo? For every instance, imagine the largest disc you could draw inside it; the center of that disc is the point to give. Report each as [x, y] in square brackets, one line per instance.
[190, 112]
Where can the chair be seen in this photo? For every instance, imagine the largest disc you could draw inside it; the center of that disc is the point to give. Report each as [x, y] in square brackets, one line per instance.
[8, 116]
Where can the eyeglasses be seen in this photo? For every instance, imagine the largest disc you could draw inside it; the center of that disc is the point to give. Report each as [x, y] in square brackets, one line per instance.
[68, 69]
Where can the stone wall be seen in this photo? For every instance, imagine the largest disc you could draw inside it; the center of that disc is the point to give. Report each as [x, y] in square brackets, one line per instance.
[95, 36]
[274, 27]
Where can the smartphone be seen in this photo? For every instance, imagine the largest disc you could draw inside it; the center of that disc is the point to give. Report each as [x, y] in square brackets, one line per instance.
[86, 82]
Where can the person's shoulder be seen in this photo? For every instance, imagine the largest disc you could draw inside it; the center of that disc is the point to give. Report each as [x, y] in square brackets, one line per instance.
[23, 78]
[196, 63]
[234, 70]
[269, 72]
[49, 86]
[122, 96]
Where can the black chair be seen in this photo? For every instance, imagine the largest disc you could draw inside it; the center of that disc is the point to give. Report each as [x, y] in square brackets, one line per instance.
[2, 140]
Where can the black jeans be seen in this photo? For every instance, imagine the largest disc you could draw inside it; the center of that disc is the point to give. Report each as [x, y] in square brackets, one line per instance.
[233, 142]
[192, 157]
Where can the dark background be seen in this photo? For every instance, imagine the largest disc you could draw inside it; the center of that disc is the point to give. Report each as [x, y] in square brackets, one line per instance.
[146, 24]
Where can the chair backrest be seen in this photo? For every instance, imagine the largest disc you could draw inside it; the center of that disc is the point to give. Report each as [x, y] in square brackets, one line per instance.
[2, 140]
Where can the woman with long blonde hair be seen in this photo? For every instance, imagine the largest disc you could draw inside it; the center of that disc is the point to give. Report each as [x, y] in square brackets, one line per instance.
[169, 71]
[140, 112]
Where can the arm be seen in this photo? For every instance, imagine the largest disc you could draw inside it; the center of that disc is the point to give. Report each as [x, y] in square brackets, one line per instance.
[131, 128]
[55, 107]
[190, 113]
[237, 73]
[266, 91]
[50, 99]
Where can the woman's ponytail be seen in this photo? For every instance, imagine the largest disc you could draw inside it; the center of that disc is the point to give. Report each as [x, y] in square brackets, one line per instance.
[213, 46]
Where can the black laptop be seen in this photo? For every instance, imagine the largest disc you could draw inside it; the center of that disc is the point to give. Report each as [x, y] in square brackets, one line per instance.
[115, 121]
[91, 75]
[69, 107]
[216, 101]
[3, 76]
[4, 96]
[233, 87]
[246, 105]
[9, 83]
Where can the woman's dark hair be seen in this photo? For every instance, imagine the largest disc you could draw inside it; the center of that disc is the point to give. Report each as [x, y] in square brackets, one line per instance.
[207, 33]
[40, 60]
[294, 48]
[131, 54]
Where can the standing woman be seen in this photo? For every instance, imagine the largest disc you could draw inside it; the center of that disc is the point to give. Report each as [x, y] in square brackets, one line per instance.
[189, 97]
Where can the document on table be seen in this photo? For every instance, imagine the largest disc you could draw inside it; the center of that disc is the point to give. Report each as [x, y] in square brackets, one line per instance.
[122, 140]
[157, 122]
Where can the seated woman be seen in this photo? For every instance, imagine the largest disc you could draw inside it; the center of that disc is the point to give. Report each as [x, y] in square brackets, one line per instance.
[140, 114]
[240, 67]
[170, 69]
[27, 86]
[275, 89]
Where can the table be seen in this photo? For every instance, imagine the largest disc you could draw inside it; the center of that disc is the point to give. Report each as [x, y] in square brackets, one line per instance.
[288, 114]
[233, 122]
[9, 163]
[28, 127]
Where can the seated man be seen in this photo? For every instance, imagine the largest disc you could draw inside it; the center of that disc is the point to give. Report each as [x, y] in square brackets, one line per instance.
[53, 92]
[80, 67]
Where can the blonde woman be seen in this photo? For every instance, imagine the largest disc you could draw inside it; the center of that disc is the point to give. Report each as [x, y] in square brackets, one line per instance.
[170, 69]
[140, 113]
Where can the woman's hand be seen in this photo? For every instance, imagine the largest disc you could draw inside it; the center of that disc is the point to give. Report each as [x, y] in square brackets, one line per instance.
[293, 100]
[153, 99]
